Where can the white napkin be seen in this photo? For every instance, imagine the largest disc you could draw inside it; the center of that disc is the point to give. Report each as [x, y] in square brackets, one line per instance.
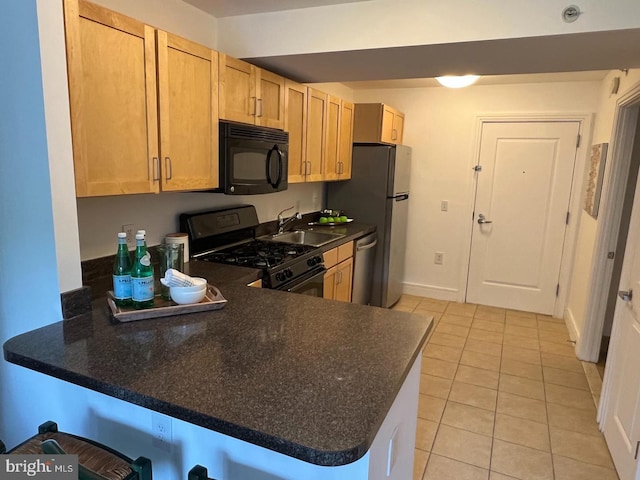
[175, 278]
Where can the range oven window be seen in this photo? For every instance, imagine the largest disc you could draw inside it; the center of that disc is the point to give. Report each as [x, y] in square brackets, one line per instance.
[311, 284]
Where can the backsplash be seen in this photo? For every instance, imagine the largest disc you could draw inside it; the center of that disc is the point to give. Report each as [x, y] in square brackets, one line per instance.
[96, 272]
[100, 218]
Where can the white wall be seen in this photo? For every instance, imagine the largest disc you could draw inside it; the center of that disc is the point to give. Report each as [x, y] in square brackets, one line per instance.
[389, 23]
[174, 16]
[441, 126]
[581, 277]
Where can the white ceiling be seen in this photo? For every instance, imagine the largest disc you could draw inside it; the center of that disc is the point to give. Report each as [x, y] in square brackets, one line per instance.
[517, 60]
[595, 75]
[231, 8]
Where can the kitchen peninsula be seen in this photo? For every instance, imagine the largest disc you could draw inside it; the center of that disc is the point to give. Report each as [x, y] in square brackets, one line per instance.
[329, 384]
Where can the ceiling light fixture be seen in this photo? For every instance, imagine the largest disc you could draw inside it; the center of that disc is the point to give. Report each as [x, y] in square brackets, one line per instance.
[457, 81]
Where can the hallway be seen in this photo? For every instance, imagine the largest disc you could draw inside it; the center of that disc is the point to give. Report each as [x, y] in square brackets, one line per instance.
[503, 396]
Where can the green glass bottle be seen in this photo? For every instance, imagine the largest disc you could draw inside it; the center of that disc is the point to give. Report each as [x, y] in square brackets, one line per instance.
[122, 273]
[142, 291]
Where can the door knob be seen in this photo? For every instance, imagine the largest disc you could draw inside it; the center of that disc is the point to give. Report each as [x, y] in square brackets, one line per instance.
[482, 220]
[626, 295]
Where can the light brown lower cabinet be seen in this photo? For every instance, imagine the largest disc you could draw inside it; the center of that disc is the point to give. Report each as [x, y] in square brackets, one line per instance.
[338, 279]
[255, 283]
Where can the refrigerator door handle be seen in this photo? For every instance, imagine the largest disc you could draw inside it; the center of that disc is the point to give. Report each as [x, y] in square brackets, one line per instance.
[400, 198]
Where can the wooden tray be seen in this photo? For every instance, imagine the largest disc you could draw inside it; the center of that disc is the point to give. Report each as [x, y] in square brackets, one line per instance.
[213, 300]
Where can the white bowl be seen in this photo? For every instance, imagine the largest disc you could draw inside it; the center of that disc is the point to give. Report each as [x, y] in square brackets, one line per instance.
[182, 296]
[198, 284]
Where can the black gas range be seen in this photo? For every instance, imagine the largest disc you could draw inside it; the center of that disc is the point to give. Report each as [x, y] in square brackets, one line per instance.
[229, 236]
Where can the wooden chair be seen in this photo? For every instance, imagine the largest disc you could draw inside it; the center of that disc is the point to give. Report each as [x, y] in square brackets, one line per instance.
[95, 461]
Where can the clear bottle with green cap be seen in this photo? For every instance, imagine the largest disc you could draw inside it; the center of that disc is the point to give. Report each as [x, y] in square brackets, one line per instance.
[142, 288]
[122, 273]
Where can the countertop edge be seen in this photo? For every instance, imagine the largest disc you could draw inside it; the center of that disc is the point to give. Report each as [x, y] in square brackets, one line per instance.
[285, 447]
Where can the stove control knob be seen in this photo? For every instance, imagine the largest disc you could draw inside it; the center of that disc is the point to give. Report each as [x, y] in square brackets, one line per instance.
[313, 261]
[288, 273]
[280, 277]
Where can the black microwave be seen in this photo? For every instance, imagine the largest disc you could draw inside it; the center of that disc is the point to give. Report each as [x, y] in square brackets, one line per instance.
[252, 159]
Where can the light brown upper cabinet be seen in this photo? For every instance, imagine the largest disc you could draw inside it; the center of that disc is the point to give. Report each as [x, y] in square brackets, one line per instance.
[295, 122]
[111, 63]
[115, 77]
[331, 145]
[345, 147]
[316, 131]
[338, 139]
[188, 91]
[377, 123]
[320, 130]
[249, 94]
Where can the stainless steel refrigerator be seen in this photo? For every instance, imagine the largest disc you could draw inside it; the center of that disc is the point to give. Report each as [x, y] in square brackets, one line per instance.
[378, 193]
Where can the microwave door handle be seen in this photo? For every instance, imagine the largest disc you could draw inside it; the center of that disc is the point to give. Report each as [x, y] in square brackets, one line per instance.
[269, 181]
[280, 167]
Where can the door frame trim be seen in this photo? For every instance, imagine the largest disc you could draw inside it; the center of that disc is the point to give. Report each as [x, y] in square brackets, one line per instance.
[626, 118]
[585, 129]
[621, 145]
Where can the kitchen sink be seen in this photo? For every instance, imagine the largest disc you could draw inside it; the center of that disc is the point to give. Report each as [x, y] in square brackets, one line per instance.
[304, 237]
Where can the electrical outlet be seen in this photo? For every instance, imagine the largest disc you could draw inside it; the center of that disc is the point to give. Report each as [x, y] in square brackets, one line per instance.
[444, 205]
[438, 258]
[130, 230]
[161, 431]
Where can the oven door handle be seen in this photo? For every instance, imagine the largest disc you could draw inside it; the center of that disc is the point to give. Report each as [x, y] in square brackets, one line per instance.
[301, 281]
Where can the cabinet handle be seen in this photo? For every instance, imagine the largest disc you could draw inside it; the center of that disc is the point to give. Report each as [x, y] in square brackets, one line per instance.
[340, 168]
[307, 168]
[156, 169]
[339, 274]
[169, 166]
[255, 106]
[394, 134]
[258, 110]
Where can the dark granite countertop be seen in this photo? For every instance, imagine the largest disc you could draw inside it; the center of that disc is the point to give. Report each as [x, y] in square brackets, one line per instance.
[306, 377]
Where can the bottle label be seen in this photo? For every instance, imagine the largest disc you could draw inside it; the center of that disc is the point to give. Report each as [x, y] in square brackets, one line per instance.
[146, 259]
[122, 287]
[142, 289]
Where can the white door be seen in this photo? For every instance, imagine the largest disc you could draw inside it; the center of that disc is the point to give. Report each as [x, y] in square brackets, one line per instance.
[522, 193]
[622, 423]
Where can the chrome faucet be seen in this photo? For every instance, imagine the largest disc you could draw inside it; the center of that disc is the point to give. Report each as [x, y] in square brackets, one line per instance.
[282, 222]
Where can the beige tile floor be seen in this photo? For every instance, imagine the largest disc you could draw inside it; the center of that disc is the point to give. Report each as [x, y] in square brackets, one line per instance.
[503, 396]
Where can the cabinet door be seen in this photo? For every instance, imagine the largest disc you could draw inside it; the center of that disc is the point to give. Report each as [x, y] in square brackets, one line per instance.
[331, 144]
[388, 114]
[295, 122]
[345, 150]
[316, 127]
[188, 87]
[270, 94]
[112, 93]
[237, 89]
[398, 128]
[329, 286]
[344, 280]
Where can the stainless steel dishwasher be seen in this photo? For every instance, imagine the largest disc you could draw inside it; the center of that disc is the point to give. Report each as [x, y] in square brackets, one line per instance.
[363, 268]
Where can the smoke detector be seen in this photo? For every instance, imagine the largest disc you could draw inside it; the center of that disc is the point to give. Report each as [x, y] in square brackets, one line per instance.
[571, 13]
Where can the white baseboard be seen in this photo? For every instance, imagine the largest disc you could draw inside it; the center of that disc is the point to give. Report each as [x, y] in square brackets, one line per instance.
[572, 326]
[430, 291]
